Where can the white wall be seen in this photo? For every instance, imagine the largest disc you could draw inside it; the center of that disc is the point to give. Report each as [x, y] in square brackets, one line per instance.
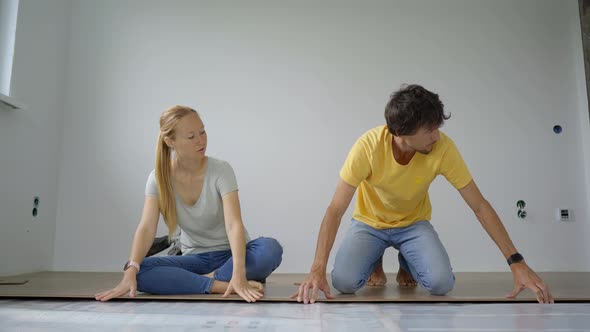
[286, 88]
[29, 139]
[507, 139]
[584, 110]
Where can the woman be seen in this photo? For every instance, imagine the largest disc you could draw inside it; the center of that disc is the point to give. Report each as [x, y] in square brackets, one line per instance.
[198, 194]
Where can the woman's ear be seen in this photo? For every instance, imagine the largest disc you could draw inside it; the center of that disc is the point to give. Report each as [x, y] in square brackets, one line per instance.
[169, 142]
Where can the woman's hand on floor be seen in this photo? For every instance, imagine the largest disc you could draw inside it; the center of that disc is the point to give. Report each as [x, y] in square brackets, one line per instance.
[127, 285]
[244, 289]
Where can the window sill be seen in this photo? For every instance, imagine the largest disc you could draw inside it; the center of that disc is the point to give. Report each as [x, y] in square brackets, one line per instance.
[9, 104]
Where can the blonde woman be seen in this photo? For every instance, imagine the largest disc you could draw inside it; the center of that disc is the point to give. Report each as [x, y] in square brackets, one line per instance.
[198, 194]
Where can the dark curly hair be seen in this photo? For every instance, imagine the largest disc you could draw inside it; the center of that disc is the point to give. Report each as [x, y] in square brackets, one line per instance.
[411, 108]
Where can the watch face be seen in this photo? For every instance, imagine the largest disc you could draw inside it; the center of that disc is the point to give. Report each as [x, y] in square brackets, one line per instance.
[515, 258]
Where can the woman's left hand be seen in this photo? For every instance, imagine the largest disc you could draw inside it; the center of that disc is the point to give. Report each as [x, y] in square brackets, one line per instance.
[243, 288]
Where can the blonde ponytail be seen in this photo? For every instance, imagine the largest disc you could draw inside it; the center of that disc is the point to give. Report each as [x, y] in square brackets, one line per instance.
[164, 180]
[168, 122]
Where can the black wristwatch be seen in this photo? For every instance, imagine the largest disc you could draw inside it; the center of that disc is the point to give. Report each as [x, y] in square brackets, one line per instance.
[515, 258]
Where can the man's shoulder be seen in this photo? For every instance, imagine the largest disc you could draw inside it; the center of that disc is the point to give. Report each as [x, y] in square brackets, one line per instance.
[444, 140]
[375, 135]
[444, 145]
[378, 131]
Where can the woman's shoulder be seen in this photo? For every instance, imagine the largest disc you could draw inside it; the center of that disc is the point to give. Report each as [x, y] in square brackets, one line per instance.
[218, 166]
[216, 162]
[221, 172]
[152, 175]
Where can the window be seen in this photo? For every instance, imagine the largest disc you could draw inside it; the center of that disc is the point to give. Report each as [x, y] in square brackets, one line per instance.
[8, 16]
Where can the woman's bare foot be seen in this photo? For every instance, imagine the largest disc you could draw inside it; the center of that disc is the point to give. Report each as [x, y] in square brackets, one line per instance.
[377, 278]
[256, 285]
[219, 287]
[405, 279]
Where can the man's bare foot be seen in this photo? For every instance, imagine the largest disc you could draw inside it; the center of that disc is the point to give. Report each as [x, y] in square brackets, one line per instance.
[377, 278]
[405, 279]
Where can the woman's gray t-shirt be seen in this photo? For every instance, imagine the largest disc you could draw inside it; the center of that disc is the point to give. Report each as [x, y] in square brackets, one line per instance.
[203, 225]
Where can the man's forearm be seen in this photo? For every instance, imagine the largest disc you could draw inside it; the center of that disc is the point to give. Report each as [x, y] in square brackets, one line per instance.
[490, 221]
[326, 237]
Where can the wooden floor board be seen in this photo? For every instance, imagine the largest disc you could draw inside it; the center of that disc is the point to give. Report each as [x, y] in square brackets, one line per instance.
[469, 287]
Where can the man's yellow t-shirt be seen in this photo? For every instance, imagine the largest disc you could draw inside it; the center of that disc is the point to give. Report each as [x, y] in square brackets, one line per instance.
[392, 195]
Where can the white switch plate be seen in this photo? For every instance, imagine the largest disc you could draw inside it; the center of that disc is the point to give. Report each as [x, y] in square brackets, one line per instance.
[563, 214]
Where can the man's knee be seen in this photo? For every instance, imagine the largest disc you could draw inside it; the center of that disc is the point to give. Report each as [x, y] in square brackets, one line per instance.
[439, 283]
[346, 283]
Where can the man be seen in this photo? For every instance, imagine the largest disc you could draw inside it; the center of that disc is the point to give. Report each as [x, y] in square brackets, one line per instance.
[393, 166]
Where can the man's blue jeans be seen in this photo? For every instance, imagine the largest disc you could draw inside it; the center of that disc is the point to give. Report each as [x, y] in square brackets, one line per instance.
[421, 253]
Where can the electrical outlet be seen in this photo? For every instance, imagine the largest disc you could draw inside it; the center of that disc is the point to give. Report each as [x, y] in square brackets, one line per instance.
[35, 210]
[563, 214]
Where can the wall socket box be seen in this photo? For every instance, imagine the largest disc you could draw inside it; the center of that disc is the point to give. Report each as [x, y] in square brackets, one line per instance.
[563, 214]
